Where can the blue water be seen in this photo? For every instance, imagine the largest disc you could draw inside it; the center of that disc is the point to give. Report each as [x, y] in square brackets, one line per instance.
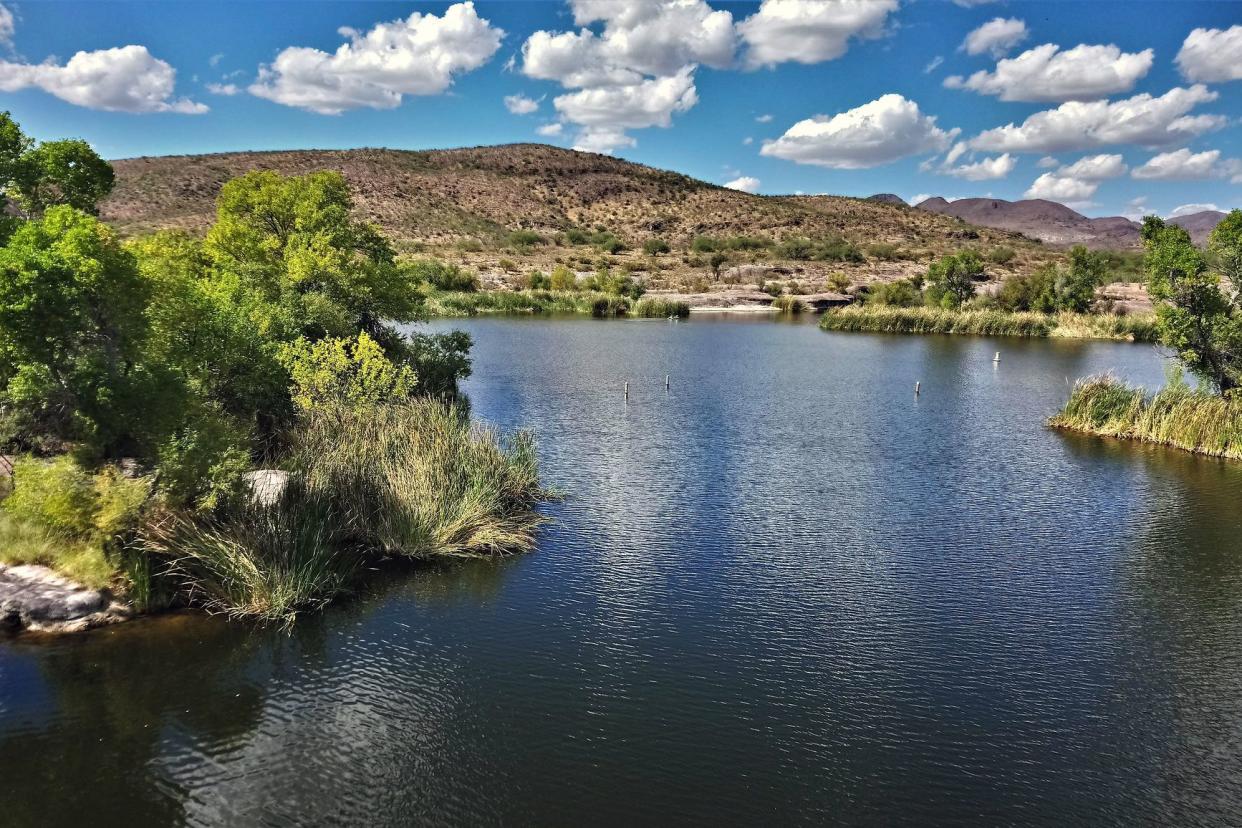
[787, 591]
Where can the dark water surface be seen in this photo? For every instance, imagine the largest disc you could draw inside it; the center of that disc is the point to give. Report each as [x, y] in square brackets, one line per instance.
[786, 592]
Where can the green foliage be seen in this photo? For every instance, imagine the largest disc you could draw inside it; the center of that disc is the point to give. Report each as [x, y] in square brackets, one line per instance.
[883, 250]
[63, 499]
[38, 176]
[655, 247]
[951, 281]
[347, 372]
[798, 248]
[577, 236]
[654, 307]
[604, 281]
[1001, 255]
[1197, 317]
[538, 280]
[987, 322]
[788, 304]
[902, 293]
[524, 238]
[202, 462]
[705, 244]
[607, 242]
[716, 261]
[1176, 416]
[838, 282]
[1052, 289]
[836, 249]
[563, 278]
[441, 275]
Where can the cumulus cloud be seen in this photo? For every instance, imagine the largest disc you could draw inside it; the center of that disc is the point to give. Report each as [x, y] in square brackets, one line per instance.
[810, 31]
[520, 104]
[550, 130]
[1046, 73]
[880, 132]
[1191, 209]
[747, 141]
[996, 37]
[1184, 165]
[763, 119]
[986, 169]
[419, 55]
[1142, 119]
[745, 183]
[1136, 208]
[227, 89]
[1065, 189]
[1212, 55]
[1095, 168]
[125, 79]
[1047, 162]
[604, 113]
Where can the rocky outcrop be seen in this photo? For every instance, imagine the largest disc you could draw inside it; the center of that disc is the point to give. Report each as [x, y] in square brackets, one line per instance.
[266, 486]
[36, 598]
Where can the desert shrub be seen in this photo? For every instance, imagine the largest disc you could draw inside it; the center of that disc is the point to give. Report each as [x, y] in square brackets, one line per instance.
[837, 249]
[577, 236]
[705, 244]
[788, 304]
[655, 247]
[469, 245]
[442, 275]
[524, 238]
[882, 250]
[1001, 255]
[838, 282]
[900, 294]
[538, 280]
[798, 248]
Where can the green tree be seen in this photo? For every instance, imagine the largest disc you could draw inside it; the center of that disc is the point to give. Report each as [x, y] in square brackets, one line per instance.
[1225, 248]
[951, 281]
[1197, 318]
[62, 172]
[351, 372]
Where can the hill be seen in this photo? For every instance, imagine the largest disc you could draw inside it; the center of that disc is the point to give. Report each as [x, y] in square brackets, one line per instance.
[1057, 224]
[463, 203]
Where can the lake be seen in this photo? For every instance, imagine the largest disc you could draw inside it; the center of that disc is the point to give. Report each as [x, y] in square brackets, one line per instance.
[785, 591]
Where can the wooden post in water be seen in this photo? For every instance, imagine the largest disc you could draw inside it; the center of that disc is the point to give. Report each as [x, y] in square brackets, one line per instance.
[666, 382]
[997, 357]
[916, 388]
[627, 390]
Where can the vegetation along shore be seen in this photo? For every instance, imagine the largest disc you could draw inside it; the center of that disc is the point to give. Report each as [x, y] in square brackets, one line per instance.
[1198, 318]
[230, 421]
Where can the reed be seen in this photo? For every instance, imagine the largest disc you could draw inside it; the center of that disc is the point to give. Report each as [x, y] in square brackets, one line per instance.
[655, 307]
[1176, 416]
[988, 322]
[788, 304]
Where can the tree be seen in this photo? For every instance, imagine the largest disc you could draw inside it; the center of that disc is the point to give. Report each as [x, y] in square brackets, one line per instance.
[39, 176]
[716, 262]
[72, 323]
[1225, 247]
[1196, 316]
[951, 281]
[1074, 290]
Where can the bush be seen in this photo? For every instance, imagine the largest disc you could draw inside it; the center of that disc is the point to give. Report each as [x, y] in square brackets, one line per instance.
[655, 247]
[442, 275]
[659, 308]
[538, 280]
[1001, 255]
[608, 243]
[524, 238]
[469, 245]
[563, 278]
[798, 248]
[951, 281]
[349, 372]
[899, 294]
[577, 236]
[746, 243]
[838, 250]
[838, 282]
[57, 496]
[883, 250]
[705, 244]
[788, 304]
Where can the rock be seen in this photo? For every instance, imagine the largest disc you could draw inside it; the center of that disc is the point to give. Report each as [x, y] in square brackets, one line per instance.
[37, 599]
[823, 301]
[267, 486]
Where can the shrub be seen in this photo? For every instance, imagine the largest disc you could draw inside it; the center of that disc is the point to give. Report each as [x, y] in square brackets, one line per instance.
[608, 243]
[951, 281]
[882, 250]
[577, 236]
[659, 308]
[899, 294]
[838, 282]
[507, 265]
[469, 245]
[746, 243]
[524, 238]
[705, 244]
[788, 304]
[655, 247]
[798, 248]
[57, 496]
[1001, 255]
[349, 372]
[538, 280]
[563, 278]
[838, 250]
[442, 275]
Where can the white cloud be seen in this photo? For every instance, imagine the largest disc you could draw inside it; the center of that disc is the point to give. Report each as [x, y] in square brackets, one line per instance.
[996, 37]
[215, 59]
[7, 26]
[1067, 190]
[606, 112]
[227, 89]
[933, 64]
[810, 31]
[1045, 73]
[1047, 162]
[879, 132]
[1095, 168]
[968, 4]
[986, 169]
[1212, 55]
[745, 183]
[1142, 119]
[764, 119]
[1191, 209]
[1136, 208]
[1182, 165]
[416, 56]
[747, 141]
[550, 130]
[520, 104]
[125, 79]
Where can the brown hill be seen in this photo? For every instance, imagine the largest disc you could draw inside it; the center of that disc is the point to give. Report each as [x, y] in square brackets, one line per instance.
[1199, 225]
[463, 203]
[1047, 221]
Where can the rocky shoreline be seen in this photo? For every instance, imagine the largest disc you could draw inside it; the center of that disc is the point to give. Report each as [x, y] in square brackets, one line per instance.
[36, 599]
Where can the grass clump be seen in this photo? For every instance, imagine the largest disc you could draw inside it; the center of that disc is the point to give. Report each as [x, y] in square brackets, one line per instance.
[788, 304]
[987, 322]
[1176, 416]
[655, 307]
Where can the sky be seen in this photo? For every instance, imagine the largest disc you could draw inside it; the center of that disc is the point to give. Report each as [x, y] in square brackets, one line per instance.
[1112, 108]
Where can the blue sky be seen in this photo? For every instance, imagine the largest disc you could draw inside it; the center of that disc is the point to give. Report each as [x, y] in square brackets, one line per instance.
[1110, 107]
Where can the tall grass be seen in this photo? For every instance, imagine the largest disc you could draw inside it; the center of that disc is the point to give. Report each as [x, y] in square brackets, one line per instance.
[1176, 416]
[419, 479]
[656, 307]
[926, 320]
[459, 304]
[788, 304]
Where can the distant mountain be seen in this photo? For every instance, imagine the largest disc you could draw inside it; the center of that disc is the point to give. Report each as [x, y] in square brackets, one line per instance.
[1199, 225]
[888, 198]
[1057, 224]
[1047, 221]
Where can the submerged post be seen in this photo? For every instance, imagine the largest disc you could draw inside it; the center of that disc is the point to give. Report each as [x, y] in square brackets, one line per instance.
[627, 391]
[666, 382]
[997, 357]
[916, 388]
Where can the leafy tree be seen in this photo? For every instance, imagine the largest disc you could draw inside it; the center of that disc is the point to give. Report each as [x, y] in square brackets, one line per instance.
[353, 372]
[716, 261]
[951, 281]
[563, 278]
[72, 324]
[1197, 317]
[1225, 248]
[62, 172]
[902, 293]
